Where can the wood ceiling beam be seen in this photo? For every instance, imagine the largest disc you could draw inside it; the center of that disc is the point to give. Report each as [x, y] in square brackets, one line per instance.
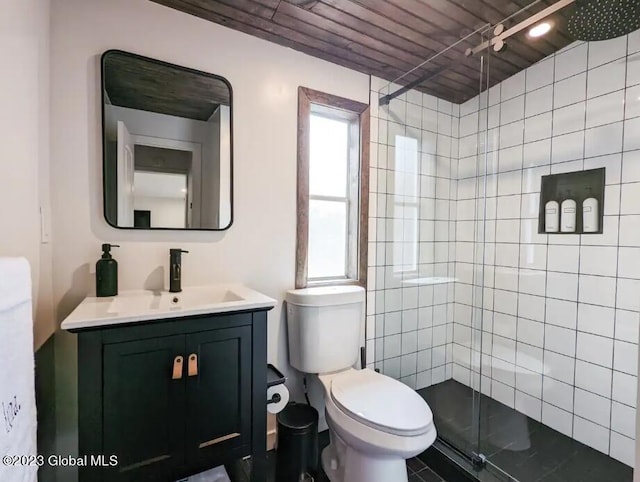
[278, 34]
[453, 80]
[290, 15]
[242, 18]
[335, 45]
[387, 38]
[357, 9]
[390, 10]
[372, 31]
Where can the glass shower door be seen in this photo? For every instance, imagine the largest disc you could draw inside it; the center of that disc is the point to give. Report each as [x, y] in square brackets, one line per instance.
[479, 312]
[429, 229]
[477, 164]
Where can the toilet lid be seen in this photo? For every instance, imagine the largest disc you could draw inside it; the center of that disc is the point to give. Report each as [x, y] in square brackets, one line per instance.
[381, 402]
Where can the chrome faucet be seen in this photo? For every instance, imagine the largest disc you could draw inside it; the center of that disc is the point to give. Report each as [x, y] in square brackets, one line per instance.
[175, 270]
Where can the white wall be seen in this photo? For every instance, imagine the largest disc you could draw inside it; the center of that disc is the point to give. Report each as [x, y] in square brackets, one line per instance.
[166, 212]
[24, 137]
[259, 248]
[154, 124]
[161, 129]
[164, 195]
[215, 200]
[224, 172]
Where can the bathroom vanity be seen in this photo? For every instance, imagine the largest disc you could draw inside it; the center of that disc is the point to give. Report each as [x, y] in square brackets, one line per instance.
[172, 383]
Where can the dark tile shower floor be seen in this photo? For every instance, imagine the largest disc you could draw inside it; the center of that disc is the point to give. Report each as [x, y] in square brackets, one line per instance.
[416, 469]
[522, 447]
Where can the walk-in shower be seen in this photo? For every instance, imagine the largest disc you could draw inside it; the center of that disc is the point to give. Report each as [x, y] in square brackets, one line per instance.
[524, 344]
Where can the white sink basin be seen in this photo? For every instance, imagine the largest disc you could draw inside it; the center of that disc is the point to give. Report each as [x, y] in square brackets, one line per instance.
[142, 305]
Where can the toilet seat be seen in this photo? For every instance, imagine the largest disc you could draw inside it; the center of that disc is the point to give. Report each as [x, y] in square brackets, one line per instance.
[381, 402]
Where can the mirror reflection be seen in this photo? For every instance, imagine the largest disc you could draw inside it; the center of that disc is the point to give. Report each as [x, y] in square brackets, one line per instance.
[167, 145]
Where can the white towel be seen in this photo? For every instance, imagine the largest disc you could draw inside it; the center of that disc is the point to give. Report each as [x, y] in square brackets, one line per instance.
[17, 377]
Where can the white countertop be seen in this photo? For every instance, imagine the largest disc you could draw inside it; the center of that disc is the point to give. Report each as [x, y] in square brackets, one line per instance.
[143, 305]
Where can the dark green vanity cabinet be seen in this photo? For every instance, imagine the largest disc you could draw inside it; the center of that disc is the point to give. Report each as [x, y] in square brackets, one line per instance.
[165, 420]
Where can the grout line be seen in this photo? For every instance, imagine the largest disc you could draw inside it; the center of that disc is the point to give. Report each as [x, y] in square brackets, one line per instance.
[615, 300]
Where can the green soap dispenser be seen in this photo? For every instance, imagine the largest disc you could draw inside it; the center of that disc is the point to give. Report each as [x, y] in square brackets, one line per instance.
[107, 273]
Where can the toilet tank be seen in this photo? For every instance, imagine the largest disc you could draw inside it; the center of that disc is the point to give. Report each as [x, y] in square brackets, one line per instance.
[325, 326]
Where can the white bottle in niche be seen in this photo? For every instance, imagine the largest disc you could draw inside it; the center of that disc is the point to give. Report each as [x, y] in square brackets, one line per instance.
[568, 216]
[551, 217]
[590, 215]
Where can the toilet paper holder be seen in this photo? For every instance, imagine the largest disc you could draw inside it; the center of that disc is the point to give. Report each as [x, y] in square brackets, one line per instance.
[274, 377]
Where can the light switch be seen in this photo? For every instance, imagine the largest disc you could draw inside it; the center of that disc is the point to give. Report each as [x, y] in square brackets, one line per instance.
[45, 225]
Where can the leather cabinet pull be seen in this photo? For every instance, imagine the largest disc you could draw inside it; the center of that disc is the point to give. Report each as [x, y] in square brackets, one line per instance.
[193, 365]
[178, 363]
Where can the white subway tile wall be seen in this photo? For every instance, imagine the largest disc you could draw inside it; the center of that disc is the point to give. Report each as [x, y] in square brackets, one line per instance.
[551, 322]
[578, 319]
[410, 303]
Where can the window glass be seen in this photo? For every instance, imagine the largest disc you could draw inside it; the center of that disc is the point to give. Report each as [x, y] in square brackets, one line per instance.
[405, 205]
[327, 239]
[328, 156]
[333, 194]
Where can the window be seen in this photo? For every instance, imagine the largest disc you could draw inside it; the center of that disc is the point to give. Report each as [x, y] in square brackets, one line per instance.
[406, 205]
[333, 166]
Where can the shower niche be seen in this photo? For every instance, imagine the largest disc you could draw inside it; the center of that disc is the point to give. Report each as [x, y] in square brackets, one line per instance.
[582, 187]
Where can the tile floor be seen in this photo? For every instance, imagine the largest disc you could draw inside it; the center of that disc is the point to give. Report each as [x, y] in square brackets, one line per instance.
[419, 472]
[519, 445]
[416, 469]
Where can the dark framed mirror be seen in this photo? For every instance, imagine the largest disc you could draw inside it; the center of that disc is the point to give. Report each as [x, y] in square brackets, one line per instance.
[167, 145]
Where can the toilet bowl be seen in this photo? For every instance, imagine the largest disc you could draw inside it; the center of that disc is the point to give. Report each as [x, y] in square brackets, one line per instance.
[375, 424]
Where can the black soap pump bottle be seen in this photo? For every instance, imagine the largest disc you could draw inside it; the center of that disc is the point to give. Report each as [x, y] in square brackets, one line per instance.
[107, 273]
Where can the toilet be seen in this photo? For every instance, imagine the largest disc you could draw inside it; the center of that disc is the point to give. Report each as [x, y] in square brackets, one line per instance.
[375, 422]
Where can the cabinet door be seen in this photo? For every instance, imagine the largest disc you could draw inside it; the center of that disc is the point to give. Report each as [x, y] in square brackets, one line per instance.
[219, 396]
[144, 408]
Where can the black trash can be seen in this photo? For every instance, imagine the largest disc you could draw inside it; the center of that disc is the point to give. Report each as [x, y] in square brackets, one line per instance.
[297, 456]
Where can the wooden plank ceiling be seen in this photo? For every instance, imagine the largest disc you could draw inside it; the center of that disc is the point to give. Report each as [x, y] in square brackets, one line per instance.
[387, 38]
[144, 84]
